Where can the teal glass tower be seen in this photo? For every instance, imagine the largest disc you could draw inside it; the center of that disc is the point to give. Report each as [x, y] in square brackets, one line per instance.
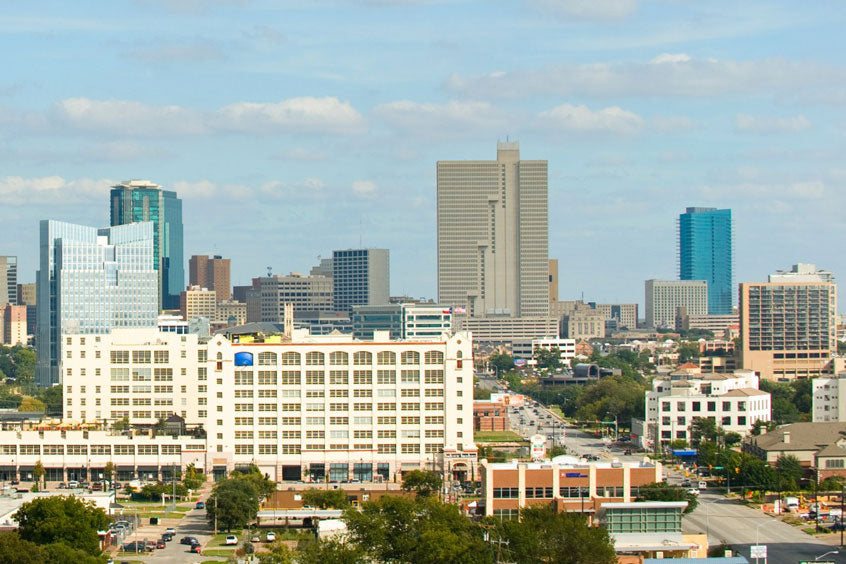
[141, 200]
[705, 253]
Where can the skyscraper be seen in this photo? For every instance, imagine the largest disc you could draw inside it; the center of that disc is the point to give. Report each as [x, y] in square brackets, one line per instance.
[91, 281]
[664, 297]
[8, 280]
[141, 200]
[360, 277]
[705, 253]
[212, 273]
[493, 235]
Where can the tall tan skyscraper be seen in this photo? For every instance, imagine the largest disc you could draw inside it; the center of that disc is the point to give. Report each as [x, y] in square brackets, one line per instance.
[493, 235]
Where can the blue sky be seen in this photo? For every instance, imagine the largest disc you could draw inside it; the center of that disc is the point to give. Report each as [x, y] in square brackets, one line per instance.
[294, 128]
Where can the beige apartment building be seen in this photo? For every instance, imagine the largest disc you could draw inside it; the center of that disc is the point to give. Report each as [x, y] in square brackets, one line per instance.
[300, 407]
[493, 235]
[198, 302]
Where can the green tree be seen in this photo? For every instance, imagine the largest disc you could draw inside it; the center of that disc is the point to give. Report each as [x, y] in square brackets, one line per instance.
[543, 535]
[234, 503]
[29, 403]
[38, 473]
[193, 478]
[548, 358]
[688, 352]
[790, 470]
[330, 552]
[109, 472]
[61, 553]
[261, 483]
[703, 429]
[731, 439]
[501, 362]
[52, 398]
[422, 482]
[15, 550]
[405, 530]
[67, 520]
[662, 491]
[121, 424]
[612, 395]
[325, 499]
[803, 396]
[279, 553]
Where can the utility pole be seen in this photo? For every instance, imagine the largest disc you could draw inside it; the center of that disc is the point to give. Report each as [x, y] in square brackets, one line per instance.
[215, 515]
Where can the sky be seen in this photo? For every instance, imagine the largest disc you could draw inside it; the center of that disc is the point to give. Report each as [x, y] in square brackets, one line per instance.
[292, 128]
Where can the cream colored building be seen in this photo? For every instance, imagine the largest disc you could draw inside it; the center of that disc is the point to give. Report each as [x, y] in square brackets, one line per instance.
[625, 314]
[493, 235]
[581, 322]
[198, 302]
[507, 330]
[664, 297]
[231, 309]
[306, 407]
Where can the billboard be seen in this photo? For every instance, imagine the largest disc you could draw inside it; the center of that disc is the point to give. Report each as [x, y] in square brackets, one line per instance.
[243, 359]
[538, 447]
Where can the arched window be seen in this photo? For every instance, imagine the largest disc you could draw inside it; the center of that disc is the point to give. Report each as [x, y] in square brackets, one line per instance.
[386, 358]
[459, 354]
[291, 358]
[410, 357]
[267, 359]
[314, 359]
[363, 358]
[434, 357]
[339, 358]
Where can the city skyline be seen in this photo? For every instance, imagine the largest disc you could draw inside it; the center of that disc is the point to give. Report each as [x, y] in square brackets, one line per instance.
[738, 107]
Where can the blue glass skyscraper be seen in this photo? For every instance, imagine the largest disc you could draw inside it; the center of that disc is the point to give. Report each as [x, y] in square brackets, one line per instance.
[705, 253]
[142, 200]
[91, 281]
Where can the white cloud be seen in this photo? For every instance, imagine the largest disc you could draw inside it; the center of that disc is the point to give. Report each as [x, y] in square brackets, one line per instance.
[568, 117]
[451, 118]
[364, 188]
[586, 9]
[665, 75]
[49, 189]
[128, 118]
[120, 150]
[672, 123]
[299, 114]
[758, 124]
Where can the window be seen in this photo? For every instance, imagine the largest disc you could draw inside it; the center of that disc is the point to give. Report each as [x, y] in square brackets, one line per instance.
[362, 358]
[436, 420]
[410, 357]
[696, 406]
[506, 493]
[386, 406]
[571, 492]
[386, 358]
[435, 406]
[434, 376]
[266, 378]
[291, 358]
[410, 420]
[339, 358]
[387, 449]
[314, 358]
[339, 377]
[409, 406]
[410, 448]
[119, 357]
[267, 359]
[726, 420]
[434, 357]
[712, 406]
[436, 393]
[362, 406]
[410, 393]
[141, 357]
[539, 493]
[291, 378]
[161, 357]
[834, 463]
[315, 377]
[410, 376]
[389, 420]
[386, 376]
[506, 514]
[243, 378]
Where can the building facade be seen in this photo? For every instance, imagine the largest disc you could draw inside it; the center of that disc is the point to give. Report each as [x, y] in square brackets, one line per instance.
[13, 328]
[664, 297]
[787, 328]
[582, 322]
[136, 201]
[270, 294]
[212, 273]
[8, 280]
[829, 399]
[732, 401]
[308, 408]
[403, 321]
[625, 314]
[526, 349]
[230, 313]
[91, 281]
[494, 331]
[493, 235]
[27, 296]
[705, 253]
[195, 301]
[360, 277]
[566, 483]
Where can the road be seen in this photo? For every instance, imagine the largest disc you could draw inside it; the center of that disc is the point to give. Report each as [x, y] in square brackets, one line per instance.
[726, 521]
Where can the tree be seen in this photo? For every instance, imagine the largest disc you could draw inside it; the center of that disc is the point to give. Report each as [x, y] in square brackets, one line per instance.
[501, 362]
[15, 550]
[662, 491]
[330, 552]
[38, 473]
[61, 553]
[731, 438]
[543, 535]
[548, 358]
[279, 554]
[52, 398]
[688, 352]
[193, 479]
[234, 502]
[422, 482]
[790, 470]
[325, 499]
[760, 425]
[109, 471]
[67, 520]
[405, 530]
[261, 483]
[703, 429]
[612, 395]
[29, 403]
[121, 424]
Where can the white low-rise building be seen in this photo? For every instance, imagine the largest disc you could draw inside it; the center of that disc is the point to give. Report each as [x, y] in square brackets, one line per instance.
[526, 349]
[300, 407]
[732, 401]
[829, 399]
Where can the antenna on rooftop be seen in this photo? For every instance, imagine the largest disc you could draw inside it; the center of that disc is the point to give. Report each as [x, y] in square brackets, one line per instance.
[269, 271]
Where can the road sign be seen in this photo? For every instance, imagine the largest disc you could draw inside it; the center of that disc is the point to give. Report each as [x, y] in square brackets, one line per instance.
[758, 551]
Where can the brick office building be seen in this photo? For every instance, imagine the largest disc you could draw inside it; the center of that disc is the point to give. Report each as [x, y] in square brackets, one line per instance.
[490, 416]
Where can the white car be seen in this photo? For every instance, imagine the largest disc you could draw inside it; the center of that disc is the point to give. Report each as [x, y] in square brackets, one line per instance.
[231, 539]
[271, 536]
[171, 530]
[73, 484]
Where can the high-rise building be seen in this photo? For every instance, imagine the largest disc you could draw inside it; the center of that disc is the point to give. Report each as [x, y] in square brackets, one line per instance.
[705, 253]
[360, 277]
[212, 273]
[8, 280]
[493, 235]
[787, 325]
[13, 330]
[553, 282]
[27, 297]
[141, 200]
[195, 301]
[91, 281]
[266, 300]
[664, 297]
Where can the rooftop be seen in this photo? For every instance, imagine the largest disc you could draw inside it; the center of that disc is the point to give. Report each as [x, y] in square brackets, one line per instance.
[802, 436]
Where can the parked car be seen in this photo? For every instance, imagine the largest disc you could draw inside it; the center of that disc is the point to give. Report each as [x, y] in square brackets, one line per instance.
[62, 486]
[73, 484]
[97, 486]
[702, 484]
[255, 538]
[137, 546]
[195, 548]
[230, 539]
[161, 543]
[167, 537]
[271, 536]
[170, 530]
[200, 505]
[189, 540]
[151, 545]
[627, 451]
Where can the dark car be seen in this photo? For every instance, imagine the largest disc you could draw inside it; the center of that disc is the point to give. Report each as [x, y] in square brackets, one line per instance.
[137, 546]
[196, 548]
[167, 537]
[200, 505]
[189, 540]
[627, 451]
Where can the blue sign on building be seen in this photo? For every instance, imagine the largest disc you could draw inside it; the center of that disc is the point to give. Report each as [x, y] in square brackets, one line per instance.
[243, 359]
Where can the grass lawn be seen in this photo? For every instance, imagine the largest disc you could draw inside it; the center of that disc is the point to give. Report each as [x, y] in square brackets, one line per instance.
[124, 555]
[496, 436]
[219, 552]
[556, 410]
[159, 514]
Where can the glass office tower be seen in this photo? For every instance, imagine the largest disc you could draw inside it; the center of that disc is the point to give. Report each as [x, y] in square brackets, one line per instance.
[141, 200]
[705, 253]
[91, 281]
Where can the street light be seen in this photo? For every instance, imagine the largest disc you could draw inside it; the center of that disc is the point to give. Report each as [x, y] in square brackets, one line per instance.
[757, 543]
[826, 554]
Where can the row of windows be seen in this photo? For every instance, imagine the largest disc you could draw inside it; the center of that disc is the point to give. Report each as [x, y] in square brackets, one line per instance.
[566, 492]
[340, 358]
[95, 449]
[319, 377]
